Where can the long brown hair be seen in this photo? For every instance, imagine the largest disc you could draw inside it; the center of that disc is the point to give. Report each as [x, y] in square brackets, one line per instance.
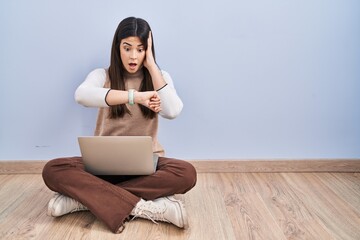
[129, 27]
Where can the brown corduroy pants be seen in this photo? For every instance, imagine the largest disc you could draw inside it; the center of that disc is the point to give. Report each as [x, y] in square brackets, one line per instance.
[112, 198]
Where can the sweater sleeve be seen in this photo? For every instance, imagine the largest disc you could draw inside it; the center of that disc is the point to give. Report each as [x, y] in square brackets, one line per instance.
[91, 93]
[171, 104]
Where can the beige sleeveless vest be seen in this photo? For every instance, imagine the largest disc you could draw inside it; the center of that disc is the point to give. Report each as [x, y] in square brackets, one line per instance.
[130, 125]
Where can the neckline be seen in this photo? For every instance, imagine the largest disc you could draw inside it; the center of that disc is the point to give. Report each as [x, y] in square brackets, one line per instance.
[137, 75]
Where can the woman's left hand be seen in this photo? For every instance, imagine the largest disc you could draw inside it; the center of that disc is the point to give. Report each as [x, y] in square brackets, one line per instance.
[150, 64]
[149, 99]
[149, 61]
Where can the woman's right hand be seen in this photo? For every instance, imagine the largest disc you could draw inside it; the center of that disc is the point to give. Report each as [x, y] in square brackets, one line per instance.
[149, 99]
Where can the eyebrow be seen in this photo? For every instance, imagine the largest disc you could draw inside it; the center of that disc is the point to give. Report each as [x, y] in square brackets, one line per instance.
[140, 45]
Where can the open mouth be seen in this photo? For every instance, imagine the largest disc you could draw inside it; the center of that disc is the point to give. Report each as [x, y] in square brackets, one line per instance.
[132, 65]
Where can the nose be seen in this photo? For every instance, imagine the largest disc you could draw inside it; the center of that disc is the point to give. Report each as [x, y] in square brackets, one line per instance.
[133, 55]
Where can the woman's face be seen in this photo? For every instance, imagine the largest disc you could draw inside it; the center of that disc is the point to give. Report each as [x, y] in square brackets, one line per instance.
[132, 53]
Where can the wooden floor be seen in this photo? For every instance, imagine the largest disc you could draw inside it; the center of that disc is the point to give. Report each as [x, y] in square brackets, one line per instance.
[221, 206]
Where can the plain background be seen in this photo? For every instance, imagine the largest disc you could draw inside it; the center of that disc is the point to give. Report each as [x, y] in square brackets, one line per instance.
[259, 79]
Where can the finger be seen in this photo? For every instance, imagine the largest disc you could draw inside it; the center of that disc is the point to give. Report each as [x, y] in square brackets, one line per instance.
[155, 108]
[156, 95]
[149, 42]
[155, 98]
[154, 105]
[150, 38]
[158, 109]
[158, 101]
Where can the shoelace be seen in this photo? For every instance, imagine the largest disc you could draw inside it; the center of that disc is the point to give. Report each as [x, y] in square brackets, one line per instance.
[79, 206]
[151, 211]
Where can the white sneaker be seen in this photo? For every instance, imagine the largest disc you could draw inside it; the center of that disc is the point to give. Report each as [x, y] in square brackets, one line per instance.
[60, 205]
[167, 209]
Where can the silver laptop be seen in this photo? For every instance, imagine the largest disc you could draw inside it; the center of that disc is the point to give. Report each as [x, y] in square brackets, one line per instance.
[118, 155]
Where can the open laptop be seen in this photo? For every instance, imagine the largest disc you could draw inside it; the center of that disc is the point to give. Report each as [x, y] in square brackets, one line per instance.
[118, 155]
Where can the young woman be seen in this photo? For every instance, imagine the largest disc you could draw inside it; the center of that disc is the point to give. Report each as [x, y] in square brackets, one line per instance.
[130, 95]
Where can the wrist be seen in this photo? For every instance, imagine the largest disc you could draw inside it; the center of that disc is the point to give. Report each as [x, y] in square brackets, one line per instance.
[152, 68]
[137, 97]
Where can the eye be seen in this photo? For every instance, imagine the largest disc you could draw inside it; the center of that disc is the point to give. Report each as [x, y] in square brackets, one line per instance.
[140, 50]
[126, 49]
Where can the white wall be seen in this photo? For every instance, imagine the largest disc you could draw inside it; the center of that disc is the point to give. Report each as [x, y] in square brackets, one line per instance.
[259, 79]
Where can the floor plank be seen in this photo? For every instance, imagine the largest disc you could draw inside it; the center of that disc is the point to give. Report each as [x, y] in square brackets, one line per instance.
[333, 213]
[294, 218]
[207, 211]
[248, 214]
[344, 189]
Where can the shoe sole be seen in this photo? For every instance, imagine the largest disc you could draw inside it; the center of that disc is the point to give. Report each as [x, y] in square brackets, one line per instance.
[183, 211]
